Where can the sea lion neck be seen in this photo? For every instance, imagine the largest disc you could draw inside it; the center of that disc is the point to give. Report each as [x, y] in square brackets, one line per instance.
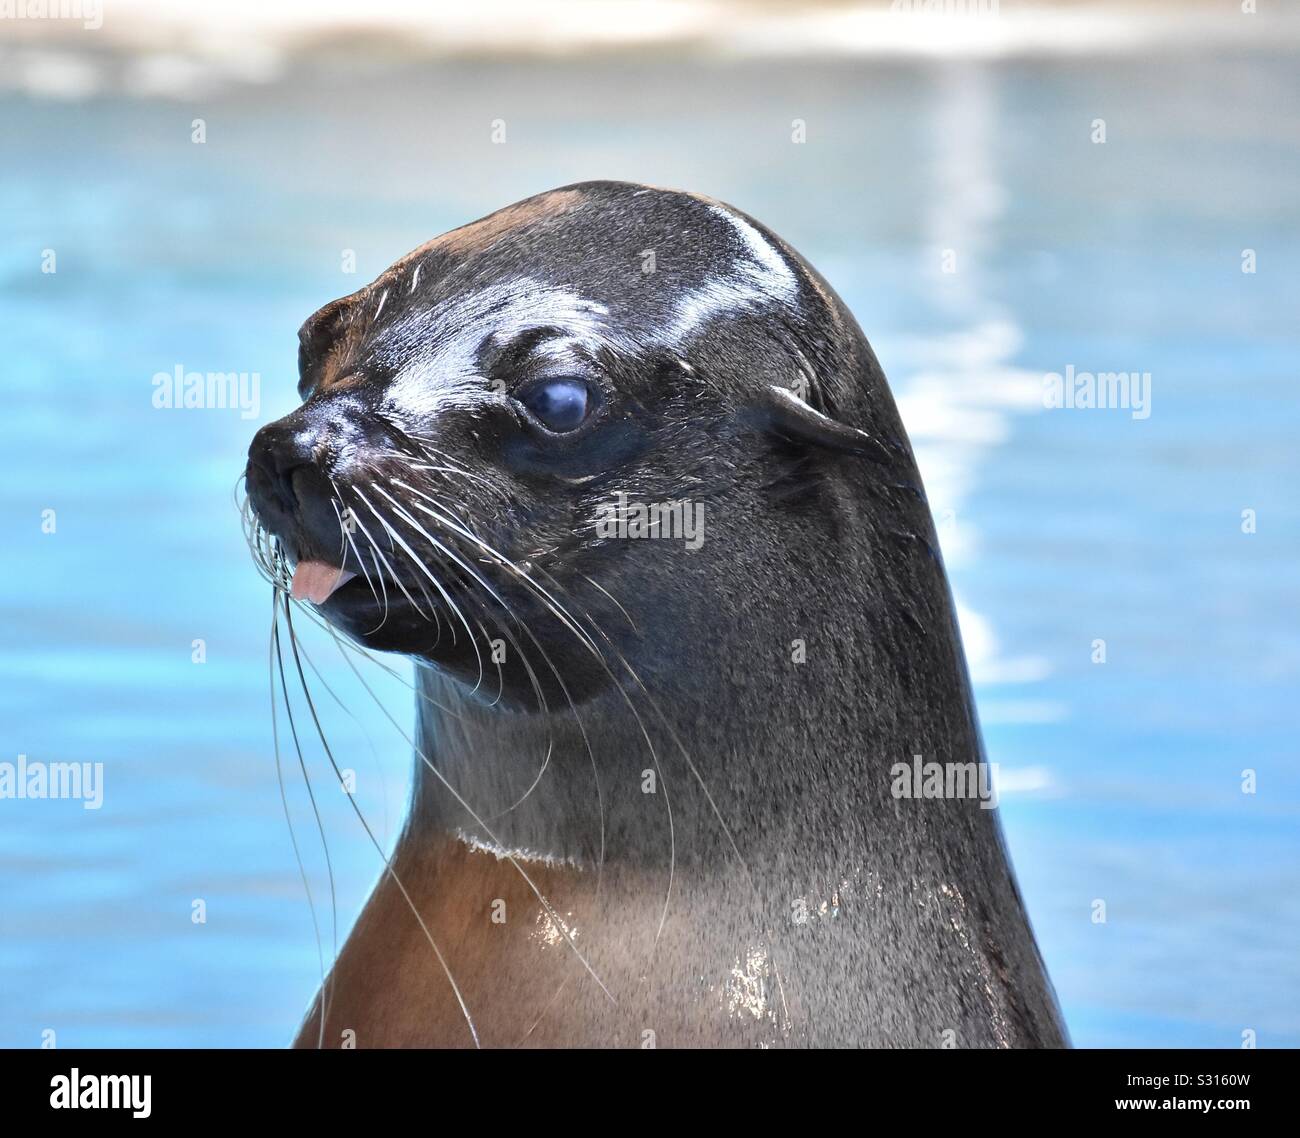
[649, 773]
[789, 901]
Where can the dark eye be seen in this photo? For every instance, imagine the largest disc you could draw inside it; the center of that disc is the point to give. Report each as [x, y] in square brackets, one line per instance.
[559, 404]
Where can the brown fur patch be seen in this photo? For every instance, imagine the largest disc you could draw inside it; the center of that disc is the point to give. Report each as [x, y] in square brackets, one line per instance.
[478, 235]
[348, 319]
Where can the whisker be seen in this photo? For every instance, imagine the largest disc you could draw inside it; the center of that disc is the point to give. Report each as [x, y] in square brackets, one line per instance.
[348, 541]
[388, 861]
[288, 817]
[544, 1012]
[699, 778]
[346, 645]
[507, 564]
[374, 753]
[269, 557]
[374, 549]
[536, 685]
[596, 584]
[320, 826]
[437, 584]
[478, 577]
[460, 800]
[654, 757]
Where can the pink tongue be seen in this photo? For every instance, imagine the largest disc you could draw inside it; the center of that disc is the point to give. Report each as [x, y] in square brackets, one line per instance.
[315, 580]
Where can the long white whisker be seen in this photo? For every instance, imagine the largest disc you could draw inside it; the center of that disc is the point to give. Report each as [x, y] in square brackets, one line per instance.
[694, 769]
[626, 614]
[320, 826]
[507, 564]
[374, 753]
[284, 802]
[432, 577]
[374, 549]
[478, 577]
[442, 591]
[388, 861]
[349, 542]
[546, 905]
[654, 757]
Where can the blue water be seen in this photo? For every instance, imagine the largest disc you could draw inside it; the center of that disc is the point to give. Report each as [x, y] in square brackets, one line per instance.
[1061, 526]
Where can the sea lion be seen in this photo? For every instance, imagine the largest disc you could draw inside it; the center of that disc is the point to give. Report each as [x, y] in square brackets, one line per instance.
[621, 474]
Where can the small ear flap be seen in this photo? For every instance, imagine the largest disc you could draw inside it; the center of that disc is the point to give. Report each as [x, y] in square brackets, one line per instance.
[789, 415]
[321, 335]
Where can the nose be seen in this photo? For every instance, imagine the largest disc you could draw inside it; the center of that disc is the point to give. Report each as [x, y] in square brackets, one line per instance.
[278, 451]
[288, 478]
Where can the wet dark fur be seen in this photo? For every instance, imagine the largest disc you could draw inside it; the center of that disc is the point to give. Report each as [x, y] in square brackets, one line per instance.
[840, 914]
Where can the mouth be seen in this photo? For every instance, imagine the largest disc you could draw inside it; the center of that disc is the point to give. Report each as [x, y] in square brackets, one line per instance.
[317, 581]
[449, 624]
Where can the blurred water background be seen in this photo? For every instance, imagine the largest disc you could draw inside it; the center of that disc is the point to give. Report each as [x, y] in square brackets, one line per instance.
[924, 150]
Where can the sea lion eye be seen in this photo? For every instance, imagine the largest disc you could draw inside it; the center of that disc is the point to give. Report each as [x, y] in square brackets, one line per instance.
[558, 404]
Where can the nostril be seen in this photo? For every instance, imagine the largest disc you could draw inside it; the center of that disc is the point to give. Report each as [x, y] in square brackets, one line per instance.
[284, 478]
[277, 452]
[284, 461]
[306, 483]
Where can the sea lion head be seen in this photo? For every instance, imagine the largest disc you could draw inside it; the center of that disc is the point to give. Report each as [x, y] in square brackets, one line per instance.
[486, 428]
